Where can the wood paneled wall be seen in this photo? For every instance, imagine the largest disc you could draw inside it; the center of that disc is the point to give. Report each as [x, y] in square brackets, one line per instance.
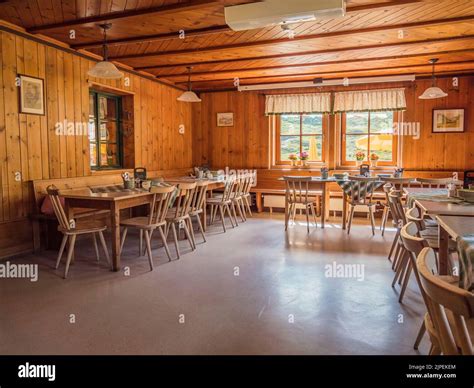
[247, 143]
[30, 146]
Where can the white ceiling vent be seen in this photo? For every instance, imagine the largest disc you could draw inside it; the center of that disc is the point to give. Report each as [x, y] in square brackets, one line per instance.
[273, 12]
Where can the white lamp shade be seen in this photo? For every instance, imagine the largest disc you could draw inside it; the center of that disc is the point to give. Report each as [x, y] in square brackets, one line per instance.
[189, 96]
[105, 70]
[432, 93]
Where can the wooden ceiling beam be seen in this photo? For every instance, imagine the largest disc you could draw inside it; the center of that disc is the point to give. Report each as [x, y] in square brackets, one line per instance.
[271, 42]
[114, 16]
[345, 61]
[155, 38]
[330, 73]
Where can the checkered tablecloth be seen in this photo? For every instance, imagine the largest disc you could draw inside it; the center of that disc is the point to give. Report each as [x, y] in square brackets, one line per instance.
[465, 246]
[358, 190]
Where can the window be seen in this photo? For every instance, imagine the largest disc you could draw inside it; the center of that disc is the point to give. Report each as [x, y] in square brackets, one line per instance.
[368, 132]
[105, 131]
[300, 133]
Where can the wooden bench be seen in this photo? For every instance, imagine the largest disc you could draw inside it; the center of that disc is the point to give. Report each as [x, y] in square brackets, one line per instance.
[65, 184]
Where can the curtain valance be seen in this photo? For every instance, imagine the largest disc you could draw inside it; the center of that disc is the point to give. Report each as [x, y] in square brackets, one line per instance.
[298, 103]
[370, 100]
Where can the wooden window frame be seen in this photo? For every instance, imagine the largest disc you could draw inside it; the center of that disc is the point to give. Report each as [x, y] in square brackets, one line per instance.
[349, 163]
[323, 136]
[118, 120]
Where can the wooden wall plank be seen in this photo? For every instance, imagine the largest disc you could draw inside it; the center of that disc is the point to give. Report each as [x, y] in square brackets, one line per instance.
[4, 210]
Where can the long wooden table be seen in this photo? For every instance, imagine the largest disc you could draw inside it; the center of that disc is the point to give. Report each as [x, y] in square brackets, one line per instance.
[451, 227]
[115, 202]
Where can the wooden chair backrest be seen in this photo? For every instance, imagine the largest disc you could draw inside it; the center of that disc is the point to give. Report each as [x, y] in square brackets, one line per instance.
[414, 215]
[399, 183]
[161, 202]
[199, 197]
[396, 207]
[184, 198]
[53, 194]
[249, 179]
[297, 188]
[436, 183]
[410, 235]
[229, 187]
[361, 190]
[441, 296]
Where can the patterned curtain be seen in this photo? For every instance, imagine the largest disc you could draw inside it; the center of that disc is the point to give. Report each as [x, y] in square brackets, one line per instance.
[298, 103]
[370, 100]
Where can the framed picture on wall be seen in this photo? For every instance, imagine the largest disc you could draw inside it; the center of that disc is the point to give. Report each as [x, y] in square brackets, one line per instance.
[31, 95]
[225, 119]
[448, 120]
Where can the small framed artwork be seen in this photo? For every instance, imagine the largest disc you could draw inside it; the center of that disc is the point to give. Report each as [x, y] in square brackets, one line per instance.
[31, 95]
[448, 120]
[225, 119]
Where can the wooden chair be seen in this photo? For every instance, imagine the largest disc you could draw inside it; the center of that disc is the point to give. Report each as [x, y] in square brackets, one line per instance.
[222, 203]
[451, 308]
[399, 220]
[179, 215]
[198, 204]
[73, 228]
[396, 184]
[155, 220]
[246, 196]
[298, 195]
[360, 193]
[237, 198]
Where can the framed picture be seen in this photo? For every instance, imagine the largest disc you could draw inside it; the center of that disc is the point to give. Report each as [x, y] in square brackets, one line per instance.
[448, 120]
[225, 119]
[31, 95]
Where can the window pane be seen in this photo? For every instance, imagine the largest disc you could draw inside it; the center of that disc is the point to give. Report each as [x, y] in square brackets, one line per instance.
[108, 155]
[92, 130]
[354, 144]
[91, 105]
[93, 154]
[381, 122]
[313, 124]
[313, 145]
[109, 132]
[289, 145]
[382, 145]
[290, 125]
[357, 122]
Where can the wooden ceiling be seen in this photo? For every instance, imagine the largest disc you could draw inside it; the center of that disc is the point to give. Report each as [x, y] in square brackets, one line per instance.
[367, 42]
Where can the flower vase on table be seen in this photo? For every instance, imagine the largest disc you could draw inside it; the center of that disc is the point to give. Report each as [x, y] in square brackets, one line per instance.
[293, 158]
[304, 159]
[360, 157]
[374, 159]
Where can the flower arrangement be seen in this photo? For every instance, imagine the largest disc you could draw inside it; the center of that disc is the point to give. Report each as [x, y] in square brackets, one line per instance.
[374, 157]
[292, 157]
[304, 156]
[360, 156]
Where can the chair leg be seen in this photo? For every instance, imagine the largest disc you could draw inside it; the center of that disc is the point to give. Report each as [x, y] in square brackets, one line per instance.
[232, 206]
[191, 232]
[400, 267]
[434, 351]
[241, 213]
[307, 218]
[124, 235]
[420, 335]
[148, 248]
[70, 252]
[229, 212]
[372, 219]
[200, 227]
[104, 247]
[188, 235]
[221, 211]
[61, 250]
[394, 243]
[247, 203]
[94, 239]
[351, 216]
[175, 238]
[165, 243]
[405, 281]
[140, 246]
[313, 210]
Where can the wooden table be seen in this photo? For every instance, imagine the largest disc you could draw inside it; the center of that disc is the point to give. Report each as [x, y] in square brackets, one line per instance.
[433, 209]
[113, 201]
[318, 184]
[451, 227]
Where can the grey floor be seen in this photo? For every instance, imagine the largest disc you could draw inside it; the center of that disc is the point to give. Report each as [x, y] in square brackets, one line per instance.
[252, 290]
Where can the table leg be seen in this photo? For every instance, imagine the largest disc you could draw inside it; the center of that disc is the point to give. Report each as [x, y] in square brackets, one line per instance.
[443, 251]
[115, 214]
[258, 197]
[344, 211]
[286, 212]
[324, 205]
[204, 217]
